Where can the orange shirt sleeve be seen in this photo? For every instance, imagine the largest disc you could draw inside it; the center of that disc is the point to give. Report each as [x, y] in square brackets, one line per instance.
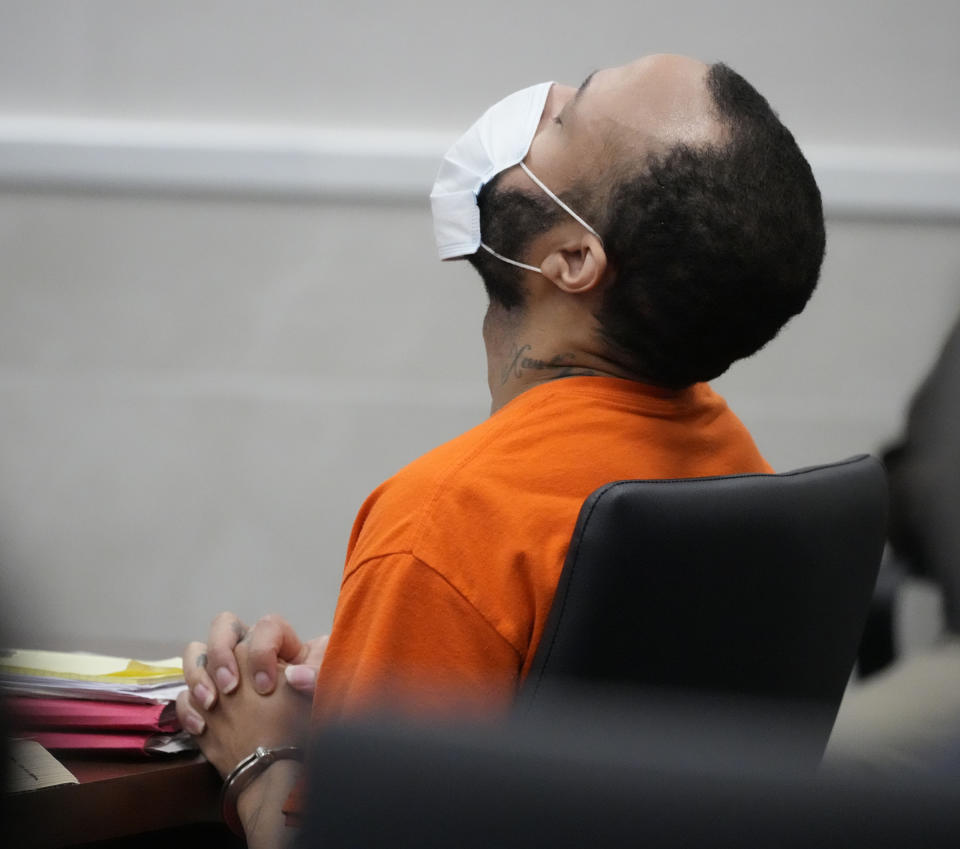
[404, 638]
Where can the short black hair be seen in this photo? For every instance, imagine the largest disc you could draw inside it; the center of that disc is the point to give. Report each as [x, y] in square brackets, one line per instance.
[713, 248]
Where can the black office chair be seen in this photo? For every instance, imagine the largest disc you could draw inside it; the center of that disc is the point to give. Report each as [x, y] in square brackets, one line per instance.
[744, 597]
[751, 586]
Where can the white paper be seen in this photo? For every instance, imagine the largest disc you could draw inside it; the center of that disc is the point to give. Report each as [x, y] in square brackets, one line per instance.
[32, 767]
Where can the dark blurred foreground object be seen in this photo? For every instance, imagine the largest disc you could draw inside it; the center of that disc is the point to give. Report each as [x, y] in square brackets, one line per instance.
[924, 472]
[5, 766]
[747, 585]
[905, 718]
[595, 777]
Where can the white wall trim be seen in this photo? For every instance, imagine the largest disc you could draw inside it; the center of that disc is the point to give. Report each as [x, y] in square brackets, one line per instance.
[289, 161]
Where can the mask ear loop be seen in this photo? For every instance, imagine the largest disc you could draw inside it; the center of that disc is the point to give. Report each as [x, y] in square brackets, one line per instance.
[559, 203]
[507, 259]
[557, 200]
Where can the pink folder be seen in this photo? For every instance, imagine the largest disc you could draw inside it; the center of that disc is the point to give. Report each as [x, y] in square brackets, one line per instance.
[87, 714]
[112, 742]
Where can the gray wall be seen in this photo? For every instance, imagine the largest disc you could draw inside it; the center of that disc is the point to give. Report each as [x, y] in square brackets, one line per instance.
[221, 318]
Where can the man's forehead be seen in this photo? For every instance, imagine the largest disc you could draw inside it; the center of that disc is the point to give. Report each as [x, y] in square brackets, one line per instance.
[662, 97]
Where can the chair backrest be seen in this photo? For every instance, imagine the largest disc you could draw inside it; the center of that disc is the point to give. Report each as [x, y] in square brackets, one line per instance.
[747, 585]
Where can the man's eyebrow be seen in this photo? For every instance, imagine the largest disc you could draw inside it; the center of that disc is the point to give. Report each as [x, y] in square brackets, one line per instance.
[583, 86]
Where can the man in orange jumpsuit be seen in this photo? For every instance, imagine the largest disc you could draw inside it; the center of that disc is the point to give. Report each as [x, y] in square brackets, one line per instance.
[635, 235]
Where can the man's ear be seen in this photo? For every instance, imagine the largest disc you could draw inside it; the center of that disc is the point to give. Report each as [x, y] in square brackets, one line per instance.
[576, 265]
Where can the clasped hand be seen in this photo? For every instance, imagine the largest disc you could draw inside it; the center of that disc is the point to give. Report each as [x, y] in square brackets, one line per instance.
[248, 687]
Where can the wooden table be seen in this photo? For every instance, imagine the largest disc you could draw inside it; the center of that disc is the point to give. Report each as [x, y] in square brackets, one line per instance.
[118, 798]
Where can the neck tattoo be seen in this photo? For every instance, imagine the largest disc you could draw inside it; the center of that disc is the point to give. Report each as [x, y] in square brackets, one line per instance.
[519, 362]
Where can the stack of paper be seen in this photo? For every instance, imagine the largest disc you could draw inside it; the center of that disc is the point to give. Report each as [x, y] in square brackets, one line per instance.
[76, 701]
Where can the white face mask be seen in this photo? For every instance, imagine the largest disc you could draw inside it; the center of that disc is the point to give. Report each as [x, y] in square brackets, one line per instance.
[499, 140]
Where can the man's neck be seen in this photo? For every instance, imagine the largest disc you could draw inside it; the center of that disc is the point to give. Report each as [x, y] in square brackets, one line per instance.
[554, 336]
[525, 365]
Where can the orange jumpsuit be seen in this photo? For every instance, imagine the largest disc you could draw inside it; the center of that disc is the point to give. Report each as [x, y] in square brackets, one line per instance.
[453, 562]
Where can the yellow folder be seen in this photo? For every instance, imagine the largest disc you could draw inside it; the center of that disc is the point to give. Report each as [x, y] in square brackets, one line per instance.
[80, 666]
